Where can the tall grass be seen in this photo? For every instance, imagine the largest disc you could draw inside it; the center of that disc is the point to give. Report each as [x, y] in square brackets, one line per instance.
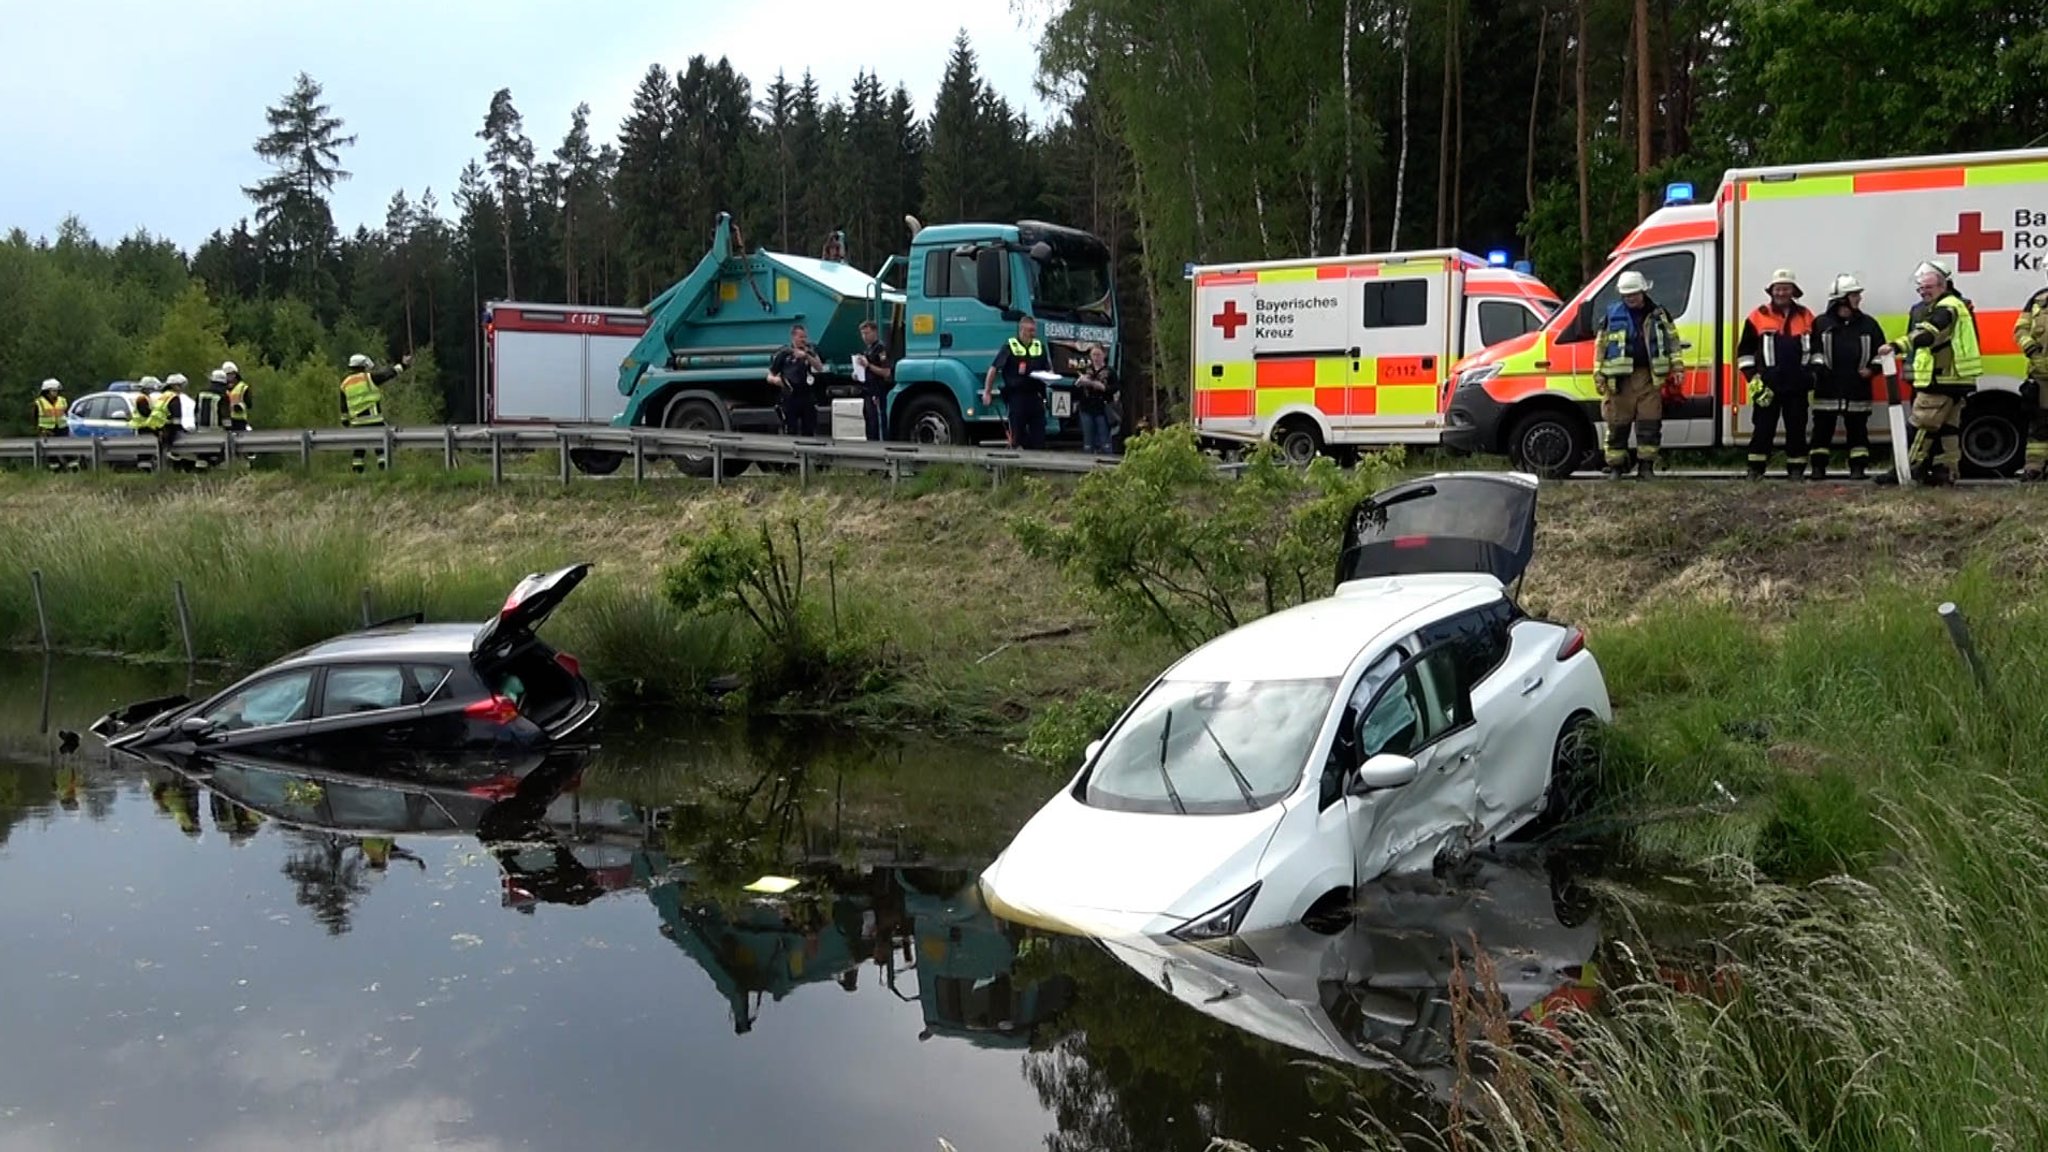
[1886, 913]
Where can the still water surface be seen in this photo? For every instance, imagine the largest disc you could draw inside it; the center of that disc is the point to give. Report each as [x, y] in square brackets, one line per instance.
[257, 960]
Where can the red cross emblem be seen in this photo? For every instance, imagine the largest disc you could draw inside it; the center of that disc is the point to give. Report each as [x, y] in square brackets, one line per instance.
[1230, 319]
[1969, 242]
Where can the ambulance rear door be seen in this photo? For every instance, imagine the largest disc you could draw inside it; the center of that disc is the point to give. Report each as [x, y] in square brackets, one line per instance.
[1404, 315]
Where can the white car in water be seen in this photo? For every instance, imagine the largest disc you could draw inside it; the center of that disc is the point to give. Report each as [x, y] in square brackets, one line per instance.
[1413, 715]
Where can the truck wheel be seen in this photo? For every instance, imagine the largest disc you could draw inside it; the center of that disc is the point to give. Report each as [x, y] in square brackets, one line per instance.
[592, 462]
[1299, 441]
[931, 419]
[1550, 442]
[697, 416]
[1993, 442]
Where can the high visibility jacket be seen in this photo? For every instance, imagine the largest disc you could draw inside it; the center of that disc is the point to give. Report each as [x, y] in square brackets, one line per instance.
[1778, 347]
[159, 411]
[362, 401]
[1024, 359]
[209, 404]
[50, 414]
[1943, 336]
[2030, 332]
[138, 411]
[238, 401]
[1619, 337]
[1020, 351]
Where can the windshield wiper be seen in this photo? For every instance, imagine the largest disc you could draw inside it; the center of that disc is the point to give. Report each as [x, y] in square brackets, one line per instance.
[1251, 802]
[1166, 730]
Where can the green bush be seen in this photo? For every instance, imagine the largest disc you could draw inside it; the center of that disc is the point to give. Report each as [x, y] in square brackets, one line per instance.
[1169, 544]
[1062, 730]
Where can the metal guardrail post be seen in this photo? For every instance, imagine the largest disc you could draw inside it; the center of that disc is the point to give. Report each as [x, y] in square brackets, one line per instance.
[99, 453]
[35, 454]
[639, 460]
[390, 460]
[717, 466]
[306, 449]
[497, 459]
[803, 469]
[562, 445]
[448, 448]
[163, 458]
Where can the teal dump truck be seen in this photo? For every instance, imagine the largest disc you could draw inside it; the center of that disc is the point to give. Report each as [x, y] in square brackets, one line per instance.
[703, 362]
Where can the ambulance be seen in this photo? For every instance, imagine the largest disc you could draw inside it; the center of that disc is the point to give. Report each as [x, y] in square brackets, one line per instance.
[1347, 351]
[1985, 214]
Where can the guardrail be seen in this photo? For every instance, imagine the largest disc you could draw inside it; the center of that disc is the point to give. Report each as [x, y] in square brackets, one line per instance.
[603, 450]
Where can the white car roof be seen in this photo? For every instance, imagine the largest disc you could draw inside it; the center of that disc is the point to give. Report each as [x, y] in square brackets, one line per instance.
[1324, 637]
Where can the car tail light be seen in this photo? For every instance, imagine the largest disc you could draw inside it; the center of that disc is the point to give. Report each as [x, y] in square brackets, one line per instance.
[570, 664]
[496, 788]
[1573, 644]
[1411, 541]
[497, 709]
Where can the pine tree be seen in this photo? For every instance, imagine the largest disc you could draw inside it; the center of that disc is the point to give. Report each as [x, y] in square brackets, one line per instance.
[963, 172]
[304, 147]
[577, 164]
[645, 185]
[509, 156]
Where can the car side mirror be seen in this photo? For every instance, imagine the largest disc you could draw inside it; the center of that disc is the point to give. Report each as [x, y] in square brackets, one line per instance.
[1383, 771]
[195, 725]
[1088, 757]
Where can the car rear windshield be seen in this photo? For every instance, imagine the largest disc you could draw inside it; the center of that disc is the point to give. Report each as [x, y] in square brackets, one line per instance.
[1177, 750]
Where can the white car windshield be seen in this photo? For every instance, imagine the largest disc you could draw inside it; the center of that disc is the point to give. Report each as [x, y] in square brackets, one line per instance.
[1196, 747]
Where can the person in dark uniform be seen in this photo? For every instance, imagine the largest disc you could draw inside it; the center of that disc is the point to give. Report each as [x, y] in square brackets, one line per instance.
[793, 369]
[880, 379]
[1023, 395]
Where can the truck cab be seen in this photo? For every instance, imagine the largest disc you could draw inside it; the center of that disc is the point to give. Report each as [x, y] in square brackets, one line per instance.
[967, 286]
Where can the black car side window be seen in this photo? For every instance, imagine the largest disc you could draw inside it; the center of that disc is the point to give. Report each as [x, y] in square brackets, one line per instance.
[1344, 749]
[277, 699]
[364, 688]
[1478, 637]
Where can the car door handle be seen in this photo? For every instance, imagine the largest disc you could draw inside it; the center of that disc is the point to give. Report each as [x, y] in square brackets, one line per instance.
[1531, 684]
[1541, 364]
[945, 339]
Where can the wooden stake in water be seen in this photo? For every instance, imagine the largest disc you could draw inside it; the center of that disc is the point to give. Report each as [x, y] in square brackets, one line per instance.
[35, 583]
[1959, 633]
[184, 621]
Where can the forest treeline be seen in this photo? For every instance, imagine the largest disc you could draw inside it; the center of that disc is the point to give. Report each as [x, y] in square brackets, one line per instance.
[1204, 130]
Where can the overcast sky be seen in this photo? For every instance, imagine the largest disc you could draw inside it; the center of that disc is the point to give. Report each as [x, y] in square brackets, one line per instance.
[141, 113]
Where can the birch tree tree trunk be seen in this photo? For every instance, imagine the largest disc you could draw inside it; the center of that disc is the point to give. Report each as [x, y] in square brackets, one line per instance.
[1642, 32]
[1582, 97]
[1401, 165]
[1350, 179]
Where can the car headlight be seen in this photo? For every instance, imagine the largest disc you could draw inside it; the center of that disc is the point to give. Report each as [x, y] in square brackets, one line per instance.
[1475, 376]
[1219, 923]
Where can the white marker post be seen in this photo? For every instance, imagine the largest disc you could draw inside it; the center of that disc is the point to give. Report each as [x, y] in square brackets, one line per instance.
[1888, 363]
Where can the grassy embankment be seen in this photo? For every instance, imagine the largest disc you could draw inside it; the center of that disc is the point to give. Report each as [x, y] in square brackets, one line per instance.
[1788, 700]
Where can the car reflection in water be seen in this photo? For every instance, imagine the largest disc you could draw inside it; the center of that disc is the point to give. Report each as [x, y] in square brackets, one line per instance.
[1377, 995]
[918, 926]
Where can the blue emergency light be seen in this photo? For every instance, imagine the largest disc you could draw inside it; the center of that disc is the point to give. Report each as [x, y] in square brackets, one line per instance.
[1679, 193]
[1187, 270]
[1498, 258]
[1525, 268]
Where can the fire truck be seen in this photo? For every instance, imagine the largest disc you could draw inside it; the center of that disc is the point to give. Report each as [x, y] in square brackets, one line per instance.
[557, 364]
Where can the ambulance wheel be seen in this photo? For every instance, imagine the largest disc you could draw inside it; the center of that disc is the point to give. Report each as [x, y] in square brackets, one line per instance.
[1551, 442]
[1299, 441]
[1993, 441]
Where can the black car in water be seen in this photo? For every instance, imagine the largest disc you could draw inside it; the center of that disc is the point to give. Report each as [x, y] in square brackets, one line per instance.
[404, 689]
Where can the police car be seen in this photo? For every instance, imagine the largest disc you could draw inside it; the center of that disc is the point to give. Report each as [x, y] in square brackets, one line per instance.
[103, 413]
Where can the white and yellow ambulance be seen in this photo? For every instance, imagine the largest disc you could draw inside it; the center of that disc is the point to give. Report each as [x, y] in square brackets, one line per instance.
[1348, 351]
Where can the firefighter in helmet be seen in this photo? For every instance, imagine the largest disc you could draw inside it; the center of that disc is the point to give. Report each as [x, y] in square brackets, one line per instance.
[1638, 360]
[362, 400]
[1777, 359]
[51, 408]
[1848, 340]
[2030, 332]
[1943, 362]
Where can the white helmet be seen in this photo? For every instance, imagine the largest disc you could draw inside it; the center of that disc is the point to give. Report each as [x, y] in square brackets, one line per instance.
[1785, 276]
[175, 380]
[1933, 268]
[1846, 284]
[227, 366]
[51, 385]
[149, 383]
[217, 376]
[1632, 282]
[359, 361]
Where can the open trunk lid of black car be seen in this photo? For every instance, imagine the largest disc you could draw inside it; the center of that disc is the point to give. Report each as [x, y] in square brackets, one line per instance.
[531, 602]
